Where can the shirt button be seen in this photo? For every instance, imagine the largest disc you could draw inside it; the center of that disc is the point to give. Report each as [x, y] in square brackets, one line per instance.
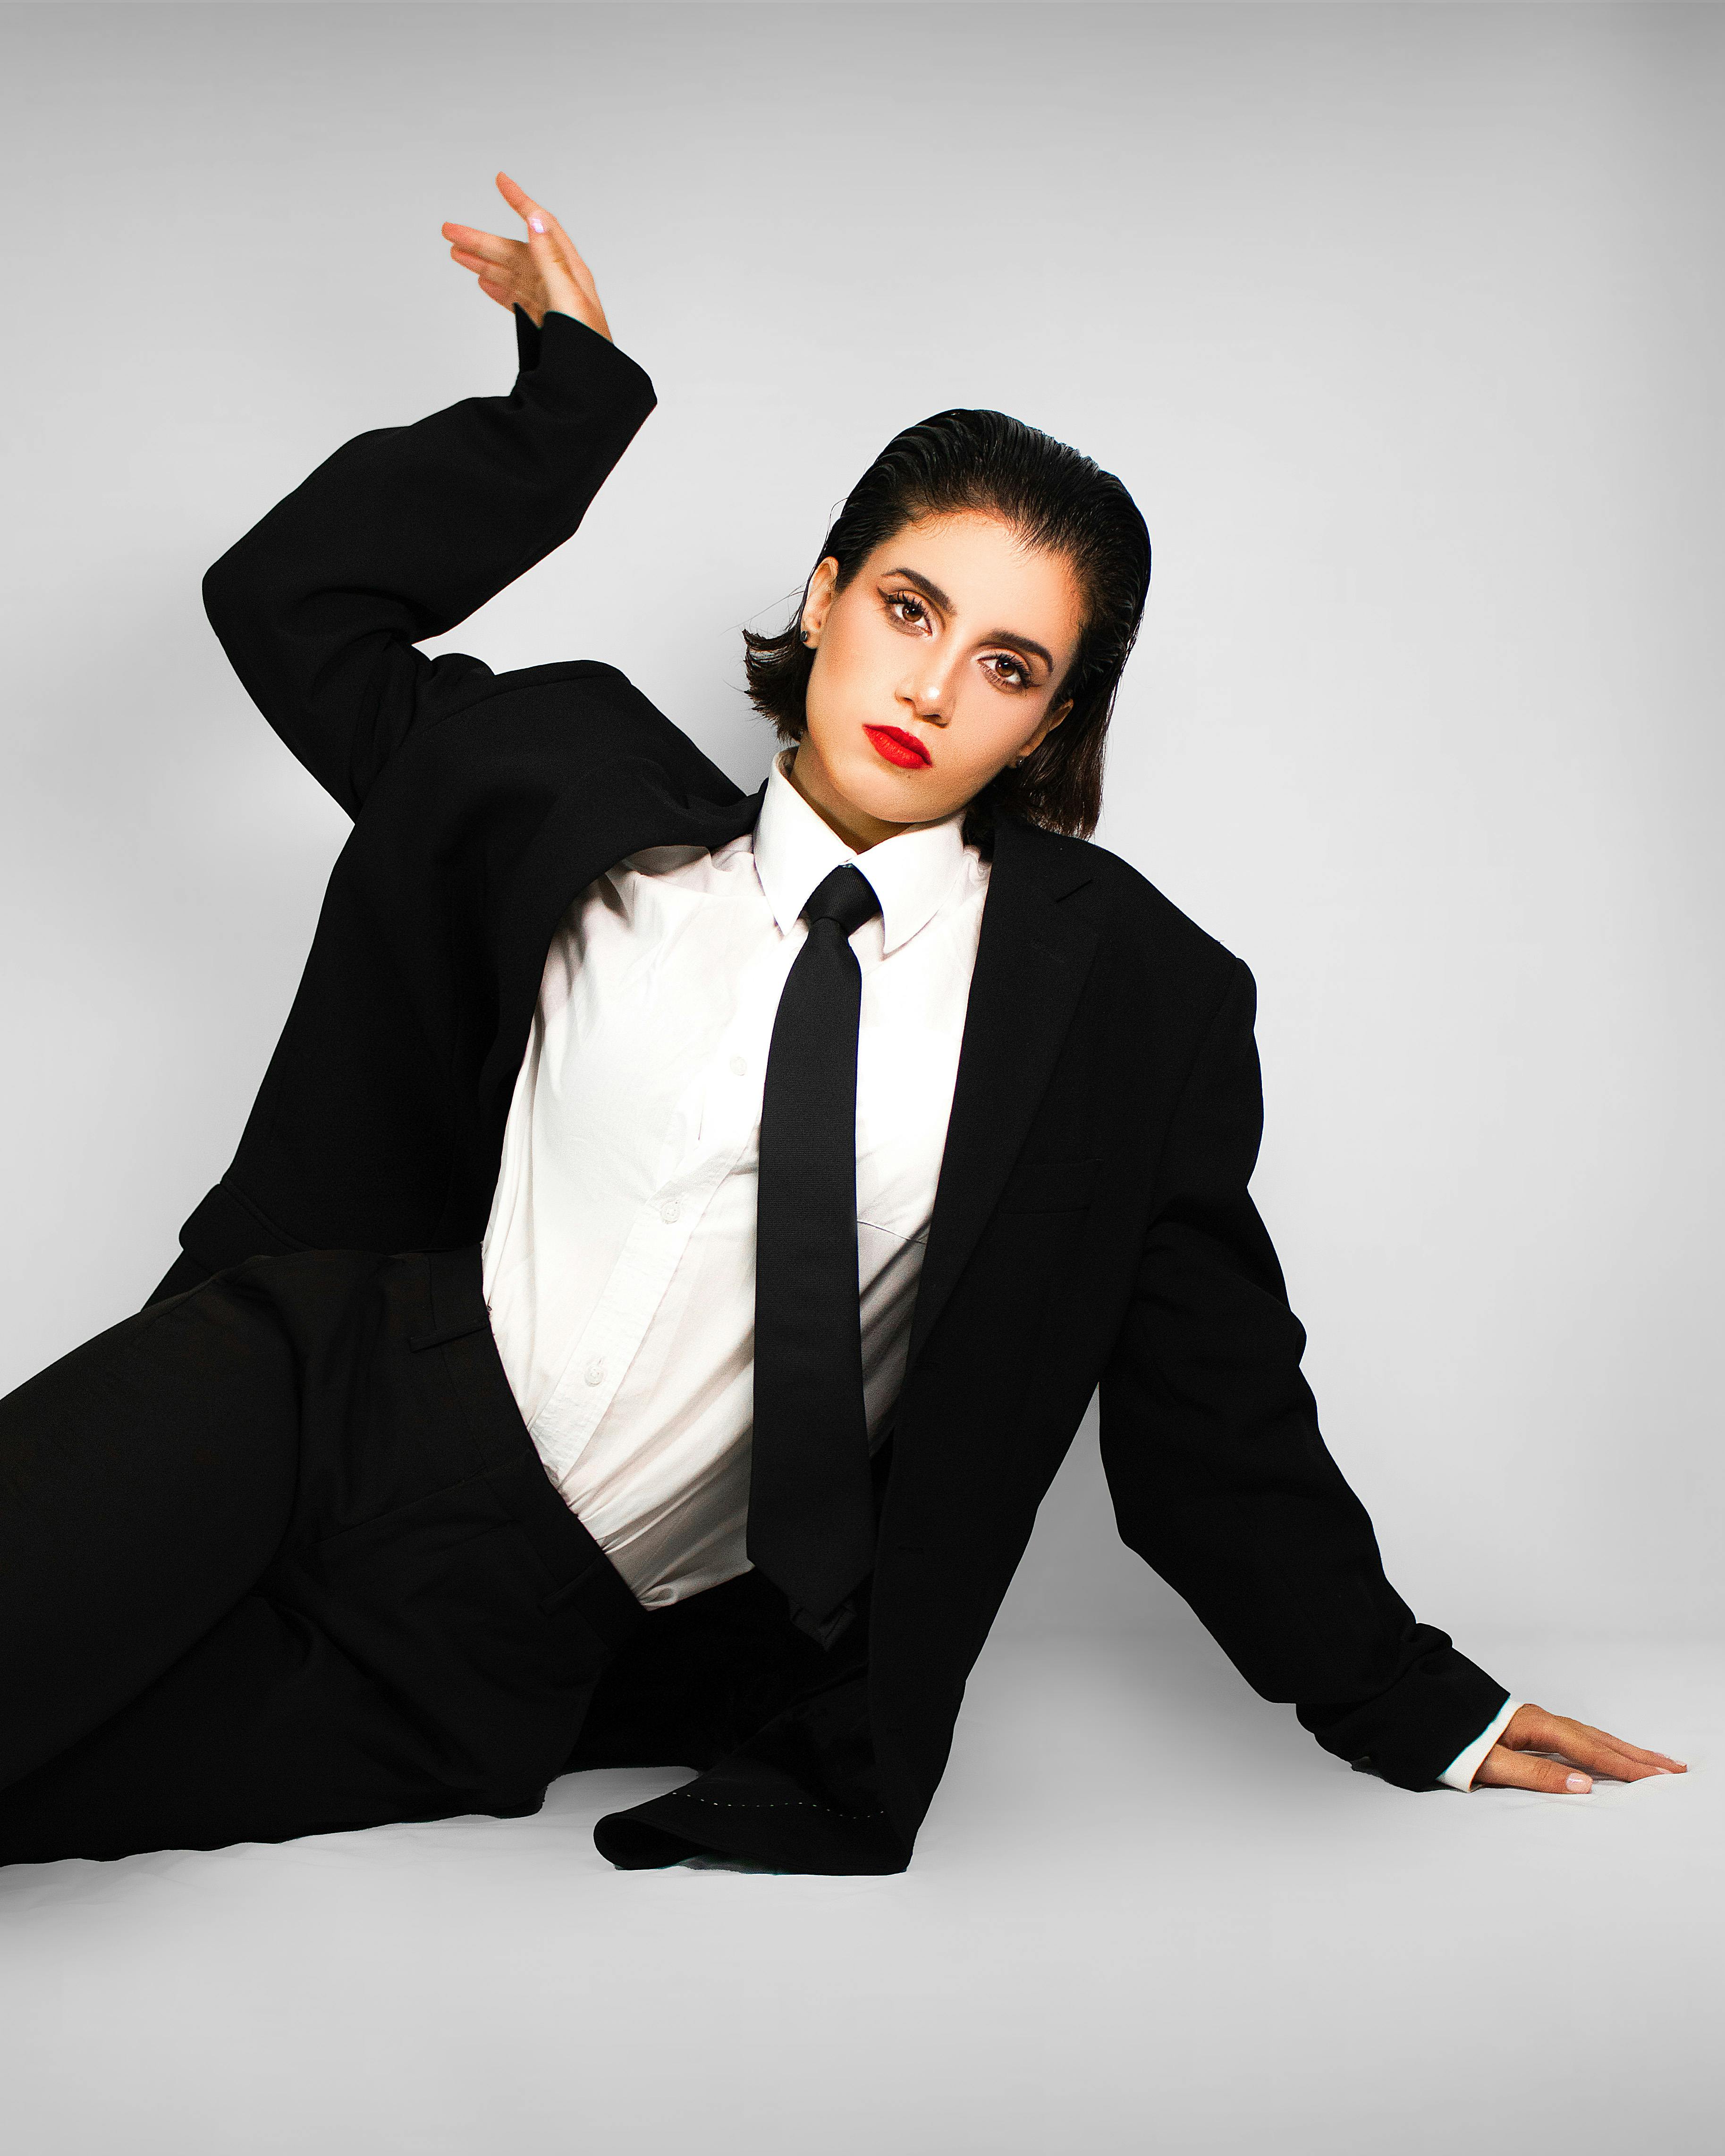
[595, 1372]
[669, 1210]
[739, 1065]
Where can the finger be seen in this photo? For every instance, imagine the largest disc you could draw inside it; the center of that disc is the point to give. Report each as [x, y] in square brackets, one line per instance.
[1504, 1768]
[506, 291]
[564, 281]
[540, 245]
[570, 252]
[503, 275]
[542, 225]
[519, 200]
[1558, 1733]
[539, 220]
[492, 245]
[1627, 1750]
[1602, 1754]
[1601, 1759]
[560, 288]
[553, 271]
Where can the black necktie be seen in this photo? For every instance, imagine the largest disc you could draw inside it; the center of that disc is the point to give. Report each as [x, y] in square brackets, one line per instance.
[811, 1525]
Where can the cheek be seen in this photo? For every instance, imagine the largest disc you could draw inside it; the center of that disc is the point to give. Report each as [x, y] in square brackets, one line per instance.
[852, 681]
[857, 657]
[988, 726]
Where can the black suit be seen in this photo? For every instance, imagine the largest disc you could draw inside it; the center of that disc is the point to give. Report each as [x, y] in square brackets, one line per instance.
[1092, 1224]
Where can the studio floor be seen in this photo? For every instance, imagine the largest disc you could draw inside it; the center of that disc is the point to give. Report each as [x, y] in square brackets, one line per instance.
[1146, 1912]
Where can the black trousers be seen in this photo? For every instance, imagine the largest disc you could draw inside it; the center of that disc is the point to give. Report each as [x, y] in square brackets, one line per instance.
[278, 1557]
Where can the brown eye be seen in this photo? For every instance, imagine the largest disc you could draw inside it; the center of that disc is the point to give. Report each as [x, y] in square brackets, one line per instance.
[907, 599]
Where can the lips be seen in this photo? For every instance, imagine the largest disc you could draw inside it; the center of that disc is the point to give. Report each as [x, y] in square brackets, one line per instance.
[898, 748]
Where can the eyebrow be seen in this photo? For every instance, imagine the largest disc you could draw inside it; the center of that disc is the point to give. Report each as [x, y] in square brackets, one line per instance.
[932, 590]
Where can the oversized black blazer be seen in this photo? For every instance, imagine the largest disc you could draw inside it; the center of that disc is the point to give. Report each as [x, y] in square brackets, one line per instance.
[1091, 1225]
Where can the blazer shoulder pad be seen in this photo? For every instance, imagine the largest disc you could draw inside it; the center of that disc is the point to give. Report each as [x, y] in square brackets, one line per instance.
[1151, 914]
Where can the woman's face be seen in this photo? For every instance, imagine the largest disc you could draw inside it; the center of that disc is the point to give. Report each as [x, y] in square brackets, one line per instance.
[933, 668]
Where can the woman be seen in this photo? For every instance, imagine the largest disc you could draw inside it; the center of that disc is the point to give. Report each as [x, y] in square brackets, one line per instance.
[679, 1232]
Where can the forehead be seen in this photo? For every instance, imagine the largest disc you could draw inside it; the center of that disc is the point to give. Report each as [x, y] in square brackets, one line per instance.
[984, 566]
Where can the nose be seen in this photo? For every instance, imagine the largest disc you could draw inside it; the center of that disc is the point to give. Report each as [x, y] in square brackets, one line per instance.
[929, 695]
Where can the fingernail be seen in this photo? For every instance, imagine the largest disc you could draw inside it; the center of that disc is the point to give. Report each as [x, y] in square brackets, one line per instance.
[537, 222]
[1579, 1784]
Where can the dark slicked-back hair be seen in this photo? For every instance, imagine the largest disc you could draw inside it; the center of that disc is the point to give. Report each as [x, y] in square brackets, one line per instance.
[1053, 499]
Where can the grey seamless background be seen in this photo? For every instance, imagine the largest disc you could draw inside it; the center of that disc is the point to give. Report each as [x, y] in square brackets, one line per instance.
[1404, 327]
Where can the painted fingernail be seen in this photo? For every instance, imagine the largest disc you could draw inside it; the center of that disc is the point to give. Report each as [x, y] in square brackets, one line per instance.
[1579, 1784]
[537, 222]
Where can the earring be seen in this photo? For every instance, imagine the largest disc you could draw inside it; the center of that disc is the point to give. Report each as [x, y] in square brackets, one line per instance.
[805, 636]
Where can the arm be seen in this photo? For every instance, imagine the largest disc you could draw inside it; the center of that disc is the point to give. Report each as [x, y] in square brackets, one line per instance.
[1219, 1477]
[1222, 1482]
[404, 532]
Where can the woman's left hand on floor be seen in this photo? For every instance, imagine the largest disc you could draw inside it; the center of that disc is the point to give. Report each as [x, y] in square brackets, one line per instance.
[1513, 1762]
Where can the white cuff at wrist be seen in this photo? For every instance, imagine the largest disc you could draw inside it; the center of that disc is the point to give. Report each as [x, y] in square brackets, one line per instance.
[1462, 1769]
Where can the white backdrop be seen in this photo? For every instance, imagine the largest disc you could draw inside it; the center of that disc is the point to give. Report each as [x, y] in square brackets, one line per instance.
[1403, 324]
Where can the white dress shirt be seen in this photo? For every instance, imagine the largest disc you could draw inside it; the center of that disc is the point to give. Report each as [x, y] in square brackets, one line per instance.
[619, 1257]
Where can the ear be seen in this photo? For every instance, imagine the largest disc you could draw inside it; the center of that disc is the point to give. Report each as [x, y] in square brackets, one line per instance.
[821, 584]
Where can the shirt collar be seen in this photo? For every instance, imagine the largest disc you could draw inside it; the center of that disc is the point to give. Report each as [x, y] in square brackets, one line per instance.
[795, 848]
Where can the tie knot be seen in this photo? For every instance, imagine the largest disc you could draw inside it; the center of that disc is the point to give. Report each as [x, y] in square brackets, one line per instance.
[846, 897]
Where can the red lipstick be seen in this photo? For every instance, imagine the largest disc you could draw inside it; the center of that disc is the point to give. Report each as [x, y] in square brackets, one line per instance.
[898, 747]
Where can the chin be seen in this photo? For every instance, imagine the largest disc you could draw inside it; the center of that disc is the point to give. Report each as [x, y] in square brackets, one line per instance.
[876, 789]
[882, 794]
[913, 798]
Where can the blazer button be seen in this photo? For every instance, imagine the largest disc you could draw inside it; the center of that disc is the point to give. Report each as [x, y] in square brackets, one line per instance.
[595, 1372]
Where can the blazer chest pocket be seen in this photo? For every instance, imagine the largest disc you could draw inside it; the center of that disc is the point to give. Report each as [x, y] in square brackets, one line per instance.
[1051, 1186]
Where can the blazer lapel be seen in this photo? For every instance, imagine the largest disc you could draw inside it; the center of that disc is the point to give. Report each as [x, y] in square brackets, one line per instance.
[1039, 936]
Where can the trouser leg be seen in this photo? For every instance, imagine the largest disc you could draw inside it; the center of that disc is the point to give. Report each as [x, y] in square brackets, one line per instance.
[280, 1723]
[421, 1638]
[146, 1480]
[263, 1731]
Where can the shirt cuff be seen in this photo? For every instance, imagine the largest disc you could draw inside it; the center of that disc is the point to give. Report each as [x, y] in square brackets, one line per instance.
[1462, 1769]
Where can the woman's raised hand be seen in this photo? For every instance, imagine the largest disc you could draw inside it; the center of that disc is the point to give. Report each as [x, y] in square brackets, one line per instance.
[539, 274]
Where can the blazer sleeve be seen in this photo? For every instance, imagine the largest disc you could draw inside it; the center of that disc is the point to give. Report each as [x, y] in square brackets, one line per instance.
[1219, 1477]
[402, 533]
